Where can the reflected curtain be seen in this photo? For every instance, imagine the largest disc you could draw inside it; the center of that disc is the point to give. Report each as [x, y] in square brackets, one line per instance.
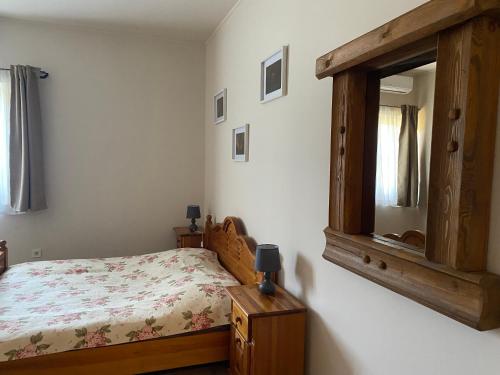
[408, 157]
[27, 190]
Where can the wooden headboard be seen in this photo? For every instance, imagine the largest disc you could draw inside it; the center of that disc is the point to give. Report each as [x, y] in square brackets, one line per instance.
[410, 237]
[3, 256]
[236, 251]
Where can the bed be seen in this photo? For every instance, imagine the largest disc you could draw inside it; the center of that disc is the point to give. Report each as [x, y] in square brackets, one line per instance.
[124, 315]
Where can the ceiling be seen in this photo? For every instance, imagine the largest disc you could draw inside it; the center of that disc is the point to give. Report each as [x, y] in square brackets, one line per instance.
[176, 19]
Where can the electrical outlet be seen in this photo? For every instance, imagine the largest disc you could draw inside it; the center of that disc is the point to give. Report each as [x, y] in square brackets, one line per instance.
[36, 253]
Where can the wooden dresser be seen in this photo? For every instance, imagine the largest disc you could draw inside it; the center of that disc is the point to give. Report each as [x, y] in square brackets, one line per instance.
[186, 238]
[267, 332]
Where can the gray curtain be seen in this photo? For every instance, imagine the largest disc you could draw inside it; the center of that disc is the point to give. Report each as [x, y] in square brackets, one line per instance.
[408, 158]
[27, 191]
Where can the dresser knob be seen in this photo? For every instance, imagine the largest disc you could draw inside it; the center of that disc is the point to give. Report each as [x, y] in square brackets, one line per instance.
[382, 265]
[342, 129]
[367, 259]
[452, 146]
[342, 151]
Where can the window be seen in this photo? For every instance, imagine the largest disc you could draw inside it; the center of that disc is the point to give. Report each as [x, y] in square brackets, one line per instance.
[389, 126]
[4, 140]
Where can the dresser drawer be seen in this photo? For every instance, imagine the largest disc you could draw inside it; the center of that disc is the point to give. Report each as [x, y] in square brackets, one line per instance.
[193, 241]
[240, 321]
[239, 354]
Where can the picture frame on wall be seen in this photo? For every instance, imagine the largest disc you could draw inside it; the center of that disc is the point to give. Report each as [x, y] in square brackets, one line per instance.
[240, 143]
[274, 76]
[220, 106]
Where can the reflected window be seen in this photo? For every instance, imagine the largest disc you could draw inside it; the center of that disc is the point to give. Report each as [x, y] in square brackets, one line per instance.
[403, 152]
[389, 126]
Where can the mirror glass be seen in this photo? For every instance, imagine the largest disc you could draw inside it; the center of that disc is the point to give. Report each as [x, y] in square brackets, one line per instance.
[403, 155]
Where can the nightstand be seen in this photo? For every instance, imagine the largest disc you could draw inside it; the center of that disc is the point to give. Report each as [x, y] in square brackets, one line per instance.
[267, 332]
[186, 238]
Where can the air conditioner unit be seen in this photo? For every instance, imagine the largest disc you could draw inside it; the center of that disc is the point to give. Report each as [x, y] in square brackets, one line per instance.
[397, 84]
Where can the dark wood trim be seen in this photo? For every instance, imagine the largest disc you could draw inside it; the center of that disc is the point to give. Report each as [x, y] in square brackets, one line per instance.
[346, 173]
[470, 298]
[420, 23]
[412, 63]
[466, 97]
[372, 108]
[408, 57]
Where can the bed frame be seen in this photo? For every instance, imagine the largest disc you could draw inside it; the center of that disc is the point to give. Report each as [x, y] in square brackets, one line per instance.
[236, 252]
[3, 256]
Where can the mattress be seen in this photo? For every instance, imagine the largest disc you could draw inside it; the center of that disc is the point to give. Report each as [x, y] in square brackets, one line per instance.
[54, 306]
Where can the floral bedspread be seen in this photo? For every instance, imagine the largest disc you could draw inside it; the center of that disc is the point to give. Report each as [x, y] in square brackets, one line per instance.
[54, 306]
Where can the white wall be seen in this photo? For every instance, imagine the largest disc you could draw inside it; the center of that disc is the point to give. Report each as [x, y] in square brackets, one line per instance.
[355, 326]
[426, 83]
[123, 138]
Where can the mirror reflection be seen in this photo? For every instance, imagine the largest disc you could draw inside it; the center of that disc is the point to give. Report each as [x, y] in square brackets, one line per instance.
[403, 155]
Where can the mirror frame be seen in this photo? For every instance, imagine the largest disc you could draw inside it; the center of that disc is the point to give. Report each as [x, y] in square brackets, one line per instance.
[451, 277]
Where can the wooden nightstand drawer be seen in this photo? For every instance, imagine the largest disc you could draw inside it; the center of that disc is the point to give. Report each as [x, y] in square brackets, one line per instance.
[267, 332]
[186, 238]
[240, 321]
[193, 240]
[239, 354]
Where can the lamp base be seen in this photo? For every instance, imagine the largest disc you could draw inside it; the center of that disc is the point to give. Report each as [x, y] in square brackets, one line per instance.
[193, 227]
[267, 286]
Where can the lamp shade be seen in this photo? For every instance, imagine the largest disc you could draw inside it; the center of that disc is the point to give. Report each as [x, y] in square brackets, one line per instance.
[193, 212]
[267, 258]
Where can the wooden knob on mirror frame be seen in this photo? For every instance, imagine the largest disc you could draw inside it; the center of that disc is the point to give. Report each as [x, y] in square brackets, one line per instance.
[454, 114]
[452, 146]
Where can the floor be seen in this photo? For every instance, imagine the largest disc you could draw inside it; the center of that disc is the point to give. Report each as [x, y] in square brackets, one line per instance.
[217, 369]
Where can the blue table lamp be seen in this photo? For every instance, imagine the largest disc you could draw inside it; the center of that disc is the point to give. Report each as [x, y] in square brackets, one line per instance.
[267, 260]
[193, 213]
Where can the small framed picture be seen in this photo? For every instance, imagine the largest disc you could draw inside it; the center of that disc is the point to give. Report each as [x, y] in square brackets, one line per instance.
[240, 143]
[220, 107]
[273, 75]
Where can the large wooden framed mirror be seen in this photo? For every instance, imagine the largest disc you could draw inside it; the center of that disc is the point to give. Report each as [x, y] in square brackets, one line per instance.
[414, 118]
